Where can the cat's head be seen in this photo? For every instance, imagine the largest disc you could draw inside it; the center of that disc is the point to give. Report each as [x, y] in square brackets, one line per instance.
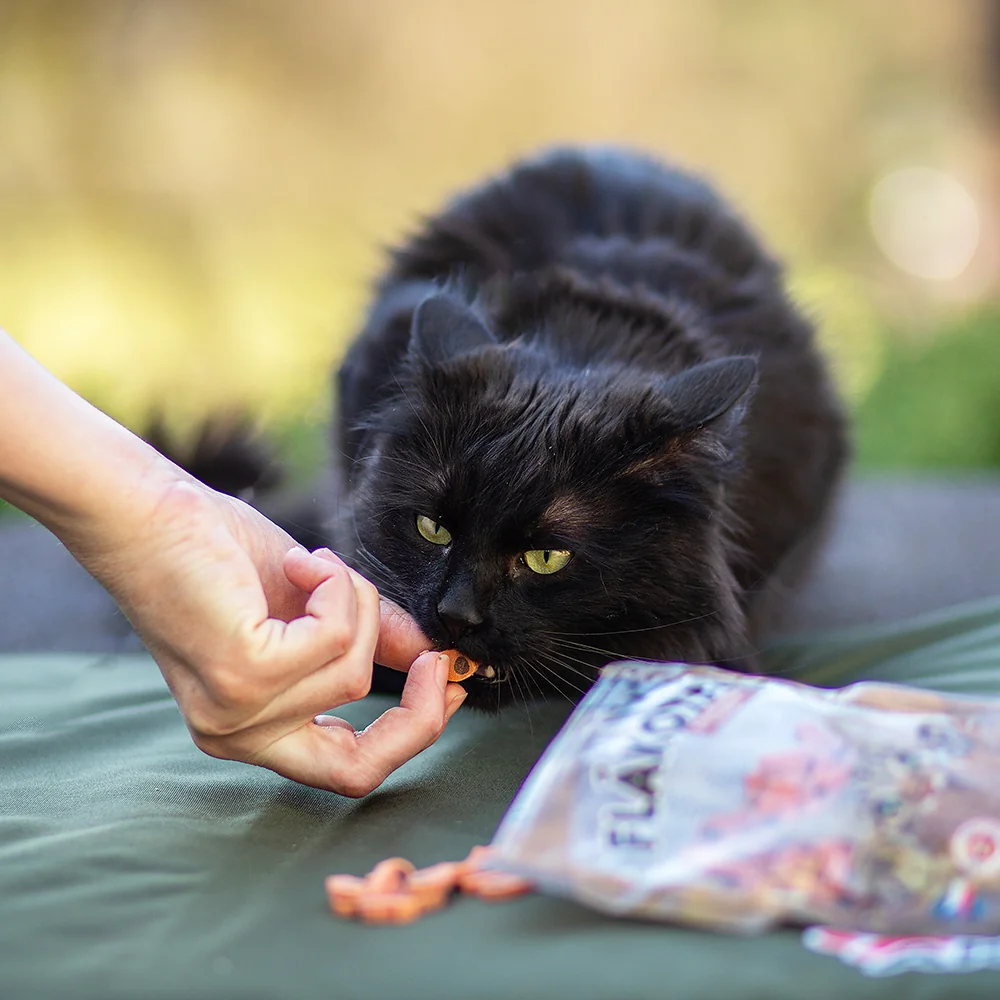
[544, 520]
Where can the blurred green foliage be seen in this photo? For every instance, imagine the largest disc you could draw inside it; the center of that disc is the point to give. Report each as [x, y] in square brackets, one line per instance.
[937, 402]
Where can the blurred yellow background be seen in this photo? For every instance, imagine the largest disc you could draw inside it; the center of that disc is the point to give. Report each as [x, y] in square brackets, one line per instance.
[194, 196]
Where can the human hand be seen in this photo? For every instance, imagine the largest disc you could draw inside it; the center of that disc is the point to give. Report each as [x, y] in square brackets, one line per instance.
[256, 637]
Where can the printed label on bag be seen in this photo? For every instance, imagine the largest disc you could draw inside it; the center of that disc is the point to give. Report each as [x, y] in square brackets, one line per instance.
[876, 955]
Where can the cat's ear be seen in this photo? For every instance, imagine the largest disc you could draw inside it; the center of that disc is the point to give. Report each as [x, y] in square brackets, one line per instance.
[710, 393]
[444, 327]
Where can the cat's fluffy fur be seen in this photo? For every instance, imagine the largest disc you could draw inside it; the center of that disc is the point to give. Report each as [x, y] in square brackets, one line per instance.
[532, 375]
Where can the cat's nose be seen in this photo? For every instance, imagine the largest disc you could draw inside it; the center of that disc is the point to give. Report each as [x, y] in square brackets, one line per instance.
[458, 617]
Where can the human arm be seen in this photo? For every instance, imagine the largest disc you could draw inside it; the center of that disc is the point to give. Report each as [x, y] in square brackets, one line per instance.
[254, 636]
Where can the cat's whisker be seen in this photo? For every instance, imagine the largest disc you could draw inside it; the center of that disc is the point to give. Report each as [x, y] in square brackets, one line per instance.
[338, 553]
[609, 654]
[362, 548]
[409, 403]
[559, 668]
[514, 675]
[385, 590]
[561, 643]
[567, 659]
[573, 672]
[557, 677]
[390, 595]
[431, 439]
[368, 552]
[722, 660]
[361, 556]
[555, 680]
[381, 575]
[647, 628]
[404, 463]
[532, 679]
[385, 583]
[370, 560]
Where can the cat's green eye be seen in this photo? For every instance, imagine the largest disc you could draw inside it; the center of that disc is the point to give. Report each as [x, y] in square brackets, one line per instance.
[546, 560]
[432, 531]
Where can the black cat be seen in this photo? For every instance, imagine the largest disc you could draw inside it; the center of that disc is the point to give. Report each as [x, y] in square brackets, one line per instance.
[583, 422]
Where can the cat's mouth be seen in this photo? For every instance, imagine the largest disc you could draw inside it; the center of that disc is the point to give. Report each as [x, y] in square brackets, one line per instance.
[466, 668]
[490, 674]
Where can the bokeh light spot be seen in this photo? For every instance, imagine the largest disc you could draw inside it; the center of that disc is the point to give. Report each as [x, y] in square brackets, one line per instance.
[925, 222]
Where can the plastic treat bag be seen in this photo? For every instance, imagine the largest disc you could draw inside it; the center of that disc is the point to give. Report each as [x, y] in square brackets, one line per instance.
[736, 802]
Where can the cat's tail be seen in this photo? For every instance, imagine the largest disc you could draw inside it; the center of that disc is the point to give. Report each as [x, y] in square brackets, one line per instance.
[230, 454]
[227, 453]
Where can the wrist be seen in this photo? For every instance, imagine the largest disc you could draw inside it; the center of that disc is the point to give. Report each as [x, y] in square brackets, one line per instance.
[69, 465]
[102, 496]
[122, 489]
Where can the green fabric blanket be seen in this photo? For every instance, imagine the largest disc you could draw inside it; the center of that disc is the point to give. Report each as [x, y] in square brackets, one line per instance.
[132, 866]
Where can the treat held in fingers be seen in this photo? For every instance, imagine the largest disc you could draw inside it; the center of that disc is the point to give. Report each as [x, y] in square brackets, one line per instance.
[460, 668]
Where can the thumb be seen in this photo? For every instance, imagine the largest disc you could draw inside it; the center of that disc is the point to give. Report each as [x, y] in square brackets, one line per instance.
[400, 640]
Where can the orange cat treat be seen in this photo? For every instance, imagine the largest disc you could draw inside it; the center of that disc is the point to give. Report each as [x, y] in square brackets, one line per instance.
[343, 892]
[396, 893]
[460, 668]
[434, 886]
[474, 880]
[389, 908]
[494, 885]
[390, 875]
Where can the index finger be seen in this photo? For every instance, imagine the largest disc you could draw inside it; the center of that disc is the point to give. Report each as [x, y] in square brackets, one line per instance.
[330, 626]
[400, 640]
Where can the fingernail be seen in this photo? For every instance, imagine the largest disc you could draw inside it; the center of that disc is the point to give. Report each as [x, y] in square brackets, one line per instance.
[296, 550]
[437, 668]
[324, 553]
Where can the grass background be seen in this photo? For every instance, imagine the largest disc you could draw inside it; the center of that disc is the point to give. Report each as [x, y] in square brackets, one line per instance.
[936, 405]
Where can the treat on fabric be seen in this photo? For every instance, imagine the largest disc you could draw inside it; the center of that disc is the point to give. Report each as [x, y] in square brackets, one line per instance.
[344, 892]
[389, 875]
[394, 892]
